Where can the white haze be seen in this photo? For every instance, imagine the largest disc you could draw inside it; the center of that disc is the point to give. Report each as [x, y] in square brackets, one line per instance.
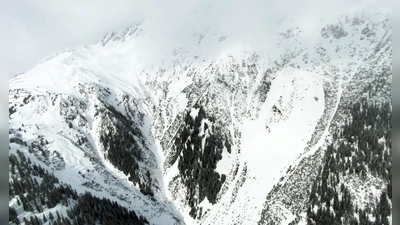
[39, 28]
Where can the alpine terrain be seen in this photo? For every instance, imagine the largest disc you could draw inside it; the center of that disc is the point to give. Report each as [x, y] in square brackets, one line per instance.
[211, 132]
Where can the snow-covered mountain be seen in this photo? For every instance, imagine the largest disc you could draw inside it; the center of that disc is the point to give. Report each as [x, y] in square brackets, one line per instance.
[214, 132]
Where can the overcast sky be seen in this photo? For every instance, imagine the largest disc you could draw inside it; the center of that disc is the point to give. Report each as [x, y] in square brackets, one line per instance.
[39, 28]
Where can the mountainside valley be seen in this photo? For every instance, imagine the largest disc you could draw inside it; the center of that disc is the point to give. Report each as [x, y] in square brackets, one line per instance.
[296, 133]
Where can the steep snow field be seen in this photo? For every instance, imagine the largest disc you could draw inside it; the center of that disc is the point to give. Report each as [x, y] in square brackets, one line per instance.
[272, 142]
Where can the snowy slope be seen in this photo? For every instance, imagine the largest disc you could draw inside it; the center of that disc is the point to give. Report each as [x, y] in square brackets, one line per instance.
[275, 107]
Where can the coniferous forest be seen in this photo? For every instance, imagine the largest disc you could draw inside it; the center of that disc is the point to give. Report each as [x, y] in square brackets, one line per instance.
[361, 148]
[198, 155]
[37, 190]
[122, 147]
